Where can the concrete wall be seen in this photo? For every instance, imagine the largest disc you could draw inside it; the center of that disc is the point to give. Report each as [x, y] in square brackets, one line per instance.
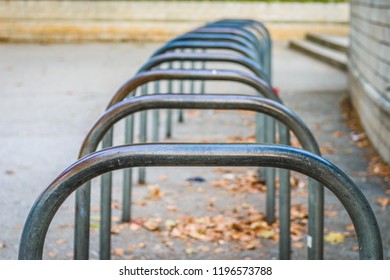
[369, 66]
[135, 20]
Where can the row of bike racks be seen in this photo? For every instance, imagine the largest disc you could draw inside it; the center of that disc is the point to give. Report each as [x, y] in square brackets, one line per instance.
[232, 42]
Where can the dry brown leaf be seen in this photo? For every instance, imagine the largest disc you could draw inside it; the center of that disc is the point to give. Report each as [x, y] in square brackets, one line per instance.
[355, 248]
[338, 134]
[131, 248]
[298, 245]
[350, 227]
[134, 226]
[203, 249]
[154, 194]
[2, 245]
[383, 202]
[52, 255]
[327, 150]
[172, 208]
[120, 252]
[190, 251]
[152, 224]
[266, 234]
[58, 241]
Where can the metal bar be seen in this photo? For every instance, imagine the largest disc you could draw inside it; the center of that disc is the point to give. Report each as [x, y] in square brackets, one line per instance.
[50, 200]
[128, 173]
[208, 45]
[246, 62]
[256, 83]
[143, 130]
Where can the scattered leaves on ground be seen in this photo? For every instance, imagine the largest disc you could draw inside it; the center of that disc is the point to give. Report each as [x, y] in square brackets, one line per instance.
[359, 138]
[378, 167]
[120, 252]
[243, 225]
[248, 182]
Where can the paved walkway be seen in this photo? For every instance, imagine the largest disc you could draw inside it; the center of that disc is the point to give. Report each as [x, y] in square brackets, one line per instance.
[51, 96]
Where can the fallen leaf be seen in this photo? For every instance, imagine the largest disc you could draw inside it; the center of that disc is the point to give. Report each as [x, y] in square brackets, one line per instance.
[169, 224]
[190, 251]
[152, 224]
[338, 134]
[131, 248]
[355, 248]
[10, 172]
[61, 241]
[266, 234]
[204, 249]
[350, 227]
[134, 226]
[334, 237]
[155, 193]
[298, 245]
[163, 177]
[120, 252]
[52, 255]
[141, 245]
[383, 202]
[2, 245]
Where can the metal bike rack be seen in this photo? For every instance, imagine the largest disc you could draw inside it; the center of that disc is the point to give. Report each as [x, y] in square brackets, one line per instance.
[95, 164]
[170, 101]
[260, 119]
[142, 78]
[207, 57]
[259, 85]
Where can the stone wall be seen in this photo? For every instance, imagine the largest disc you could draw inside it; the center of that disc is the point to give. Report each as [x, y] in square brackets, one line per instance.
[369, 65]
[158, 20]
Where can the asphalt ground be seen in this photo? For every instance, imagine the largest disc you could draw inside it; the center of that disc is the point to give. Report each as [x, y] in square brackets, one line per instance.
[51, 95]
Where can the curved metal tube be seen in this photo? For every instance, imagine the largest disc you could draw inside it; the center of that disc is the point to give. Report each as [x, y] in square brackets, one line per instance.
[205, 57]
[227, 30]
[215, 101]
[192, 36]
[215, 75]
[87, 168]
[170, 46]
